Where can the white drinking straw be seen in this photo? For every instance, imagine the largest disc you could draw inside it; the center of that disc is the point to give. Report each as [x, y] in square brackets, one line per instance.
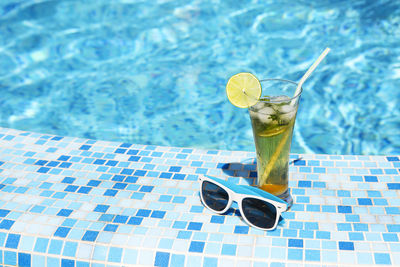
[310, 70]
[280, 146]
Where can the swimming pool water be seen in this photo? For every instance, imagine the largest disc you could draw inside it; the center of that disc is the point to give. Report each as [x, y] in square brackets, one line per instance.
[154, 72]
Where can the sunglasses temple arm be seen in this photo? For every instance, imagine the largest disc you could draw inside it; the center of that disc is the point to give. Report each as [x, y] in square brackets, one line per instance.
[236, 188]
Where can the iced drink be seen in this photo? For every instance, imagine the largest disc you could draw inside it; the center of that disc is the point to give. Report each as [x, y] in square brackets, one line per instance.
[273, 118]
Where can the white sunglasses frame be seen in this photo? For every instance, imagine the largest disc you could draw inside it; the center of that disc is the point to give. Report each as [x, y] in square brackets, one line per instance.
[280, 205]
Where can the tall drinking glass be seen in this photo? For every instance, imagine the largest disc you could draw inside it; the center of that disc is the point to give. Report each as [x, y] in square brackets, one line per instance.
[272, 119]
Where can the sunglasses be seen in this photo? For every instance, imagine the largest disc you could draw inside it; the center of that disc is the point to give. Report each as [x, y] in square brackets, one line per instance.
[259, 209]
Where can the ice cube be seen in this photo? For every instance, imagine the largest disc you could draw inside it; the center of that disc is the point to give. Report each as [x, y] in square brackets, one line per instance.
[264, 118]
[253, 114]
[286, 109]
[287, 117]
[258, 105]
[267, 110]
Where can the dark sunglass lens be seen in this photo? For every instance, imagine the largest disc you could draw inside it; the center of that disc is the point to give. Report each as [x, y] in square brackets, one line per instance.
[260, 213]
[214, 196]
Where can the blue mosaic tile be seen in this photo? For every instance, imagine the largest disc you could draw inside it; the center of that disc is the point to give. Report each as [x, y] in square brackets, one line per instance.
[10, 258]
[344, 209]
[241, 229]
[344, 245]
[90, 235]
[393, 186]
[162, 259]
[393, 228]
[12, 241]
[62, 231]
[390, 237]
[196, 246]
[382, 258]
[184, 235]
[295, 254]
[370, 178]
[229, 249]
[295, 243]
[24, 259]
[312, 255]
[55, 247]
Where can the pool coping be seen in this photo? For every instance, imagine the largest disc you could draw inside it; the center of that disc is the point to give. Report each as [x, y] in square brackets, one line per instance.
[61, 197]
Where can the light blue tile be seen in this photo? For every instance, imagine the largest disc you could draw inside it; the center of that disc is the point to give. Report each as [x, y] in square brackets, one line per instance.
[326, 163]
[348, 171]
[373, 237]
[226, 229]
[55, 247]
[104, 237]
[329, 244]
[213, 248]
[358, 193]
[278, 253]
[262, 251]
[41, 245]
[341, 163]
[312, 244]
[306, 234]
[312, 255]
[177, 260]
[377, 210]
[229, 249]
[53, 261]
[356, 164]
[295, 254]
[395, 247]
[282, 242]
[384, 164]
[382, 258]
[115, 254]
[333, 170]
[200, 236]
[124, 229]
[389, 193]
[10, 258]
[27, 243]
[165, 243]
[364, 258]
[76, 234]
[377, 228]
[38, 260]
[209, 262]
[349, 201]
[130, 256]
[296, 224]
[82, 224]
[360, 210]
[194, 260]
[328, 192]
[70, 249]
[96, 226]
[216, 237]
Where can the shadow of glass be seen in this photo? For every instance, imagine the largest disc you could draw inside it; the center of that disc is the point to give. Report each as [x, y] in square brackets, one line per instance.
[246, 169]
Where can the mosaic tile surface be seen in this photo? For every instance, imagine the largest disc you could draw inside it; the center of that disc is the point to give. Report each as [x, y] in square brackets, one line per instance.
[75, 202]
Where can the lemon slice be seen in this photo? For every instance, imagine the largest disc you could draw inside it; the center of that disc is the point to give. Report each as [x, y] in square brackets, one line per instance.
[243, 90]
